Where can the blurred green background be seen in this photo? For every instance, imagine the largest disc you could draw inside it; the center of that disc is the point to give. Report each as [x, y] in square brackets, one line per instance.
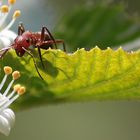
[109, 120]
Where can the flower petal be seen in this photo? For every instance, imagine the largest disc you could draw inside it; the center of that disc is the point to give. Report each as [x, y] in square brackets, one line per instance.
[9, 115]
[6, 38]
[4, 126]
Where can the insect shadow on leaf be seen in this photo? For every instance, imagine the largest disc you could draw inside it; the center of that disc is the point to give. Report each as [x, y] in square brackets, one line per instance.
[50, 68]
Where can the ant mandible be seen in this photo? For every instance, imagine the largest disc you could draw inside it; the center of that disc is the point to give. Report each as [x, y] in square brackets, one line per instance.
[39, 40]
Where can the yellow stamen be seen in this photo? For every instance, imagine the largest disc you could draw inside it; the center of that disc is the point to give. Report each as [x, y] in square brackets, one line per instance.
[22, 90]
[17, 87]
[4, 9]
[16, 14]
[7, 70]
[16, 75]
[11, 2]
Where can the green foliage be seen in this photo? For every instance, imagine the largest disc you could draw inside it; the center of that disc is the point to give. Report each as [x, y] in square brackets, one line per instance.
[81, 76]
[104, 25]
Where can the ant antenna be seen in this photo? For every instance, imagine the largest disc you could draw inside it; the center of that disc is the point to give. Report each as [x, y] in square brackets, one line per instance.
[21, 28]
[34, 62]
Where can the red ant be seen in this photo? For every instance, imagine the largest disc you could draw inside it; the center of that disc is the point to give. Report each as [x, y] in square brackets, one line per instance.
[39, 40]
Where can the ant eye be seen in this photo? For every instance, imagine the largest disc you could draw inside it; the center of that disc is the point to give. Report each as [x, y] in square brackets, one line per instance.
[27, 40]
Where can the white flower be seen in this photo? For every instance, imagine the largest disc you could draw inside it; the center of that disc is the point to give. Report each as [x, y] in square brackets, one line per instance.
[7, 36]
[7, 116]
[7, 120]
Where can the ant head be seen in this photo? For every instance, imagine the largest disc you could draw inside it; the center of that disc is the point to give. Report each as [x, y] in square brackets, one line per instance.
[22, 41]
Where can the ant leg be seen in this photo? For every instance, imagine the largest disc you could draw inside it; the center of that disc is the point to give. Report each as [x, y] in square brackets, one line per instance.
[50, 42]
[64, 46]
[62, 42]
[2, 55]
[4, 51]
[21, 29]
[34, 62]
[40, 56]
[43, 39]
[43, 35]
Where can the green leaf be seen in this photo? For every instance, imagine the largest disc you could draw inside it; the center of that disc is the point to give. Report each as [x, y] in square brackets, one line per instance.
[81, 76]
[103, 25]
